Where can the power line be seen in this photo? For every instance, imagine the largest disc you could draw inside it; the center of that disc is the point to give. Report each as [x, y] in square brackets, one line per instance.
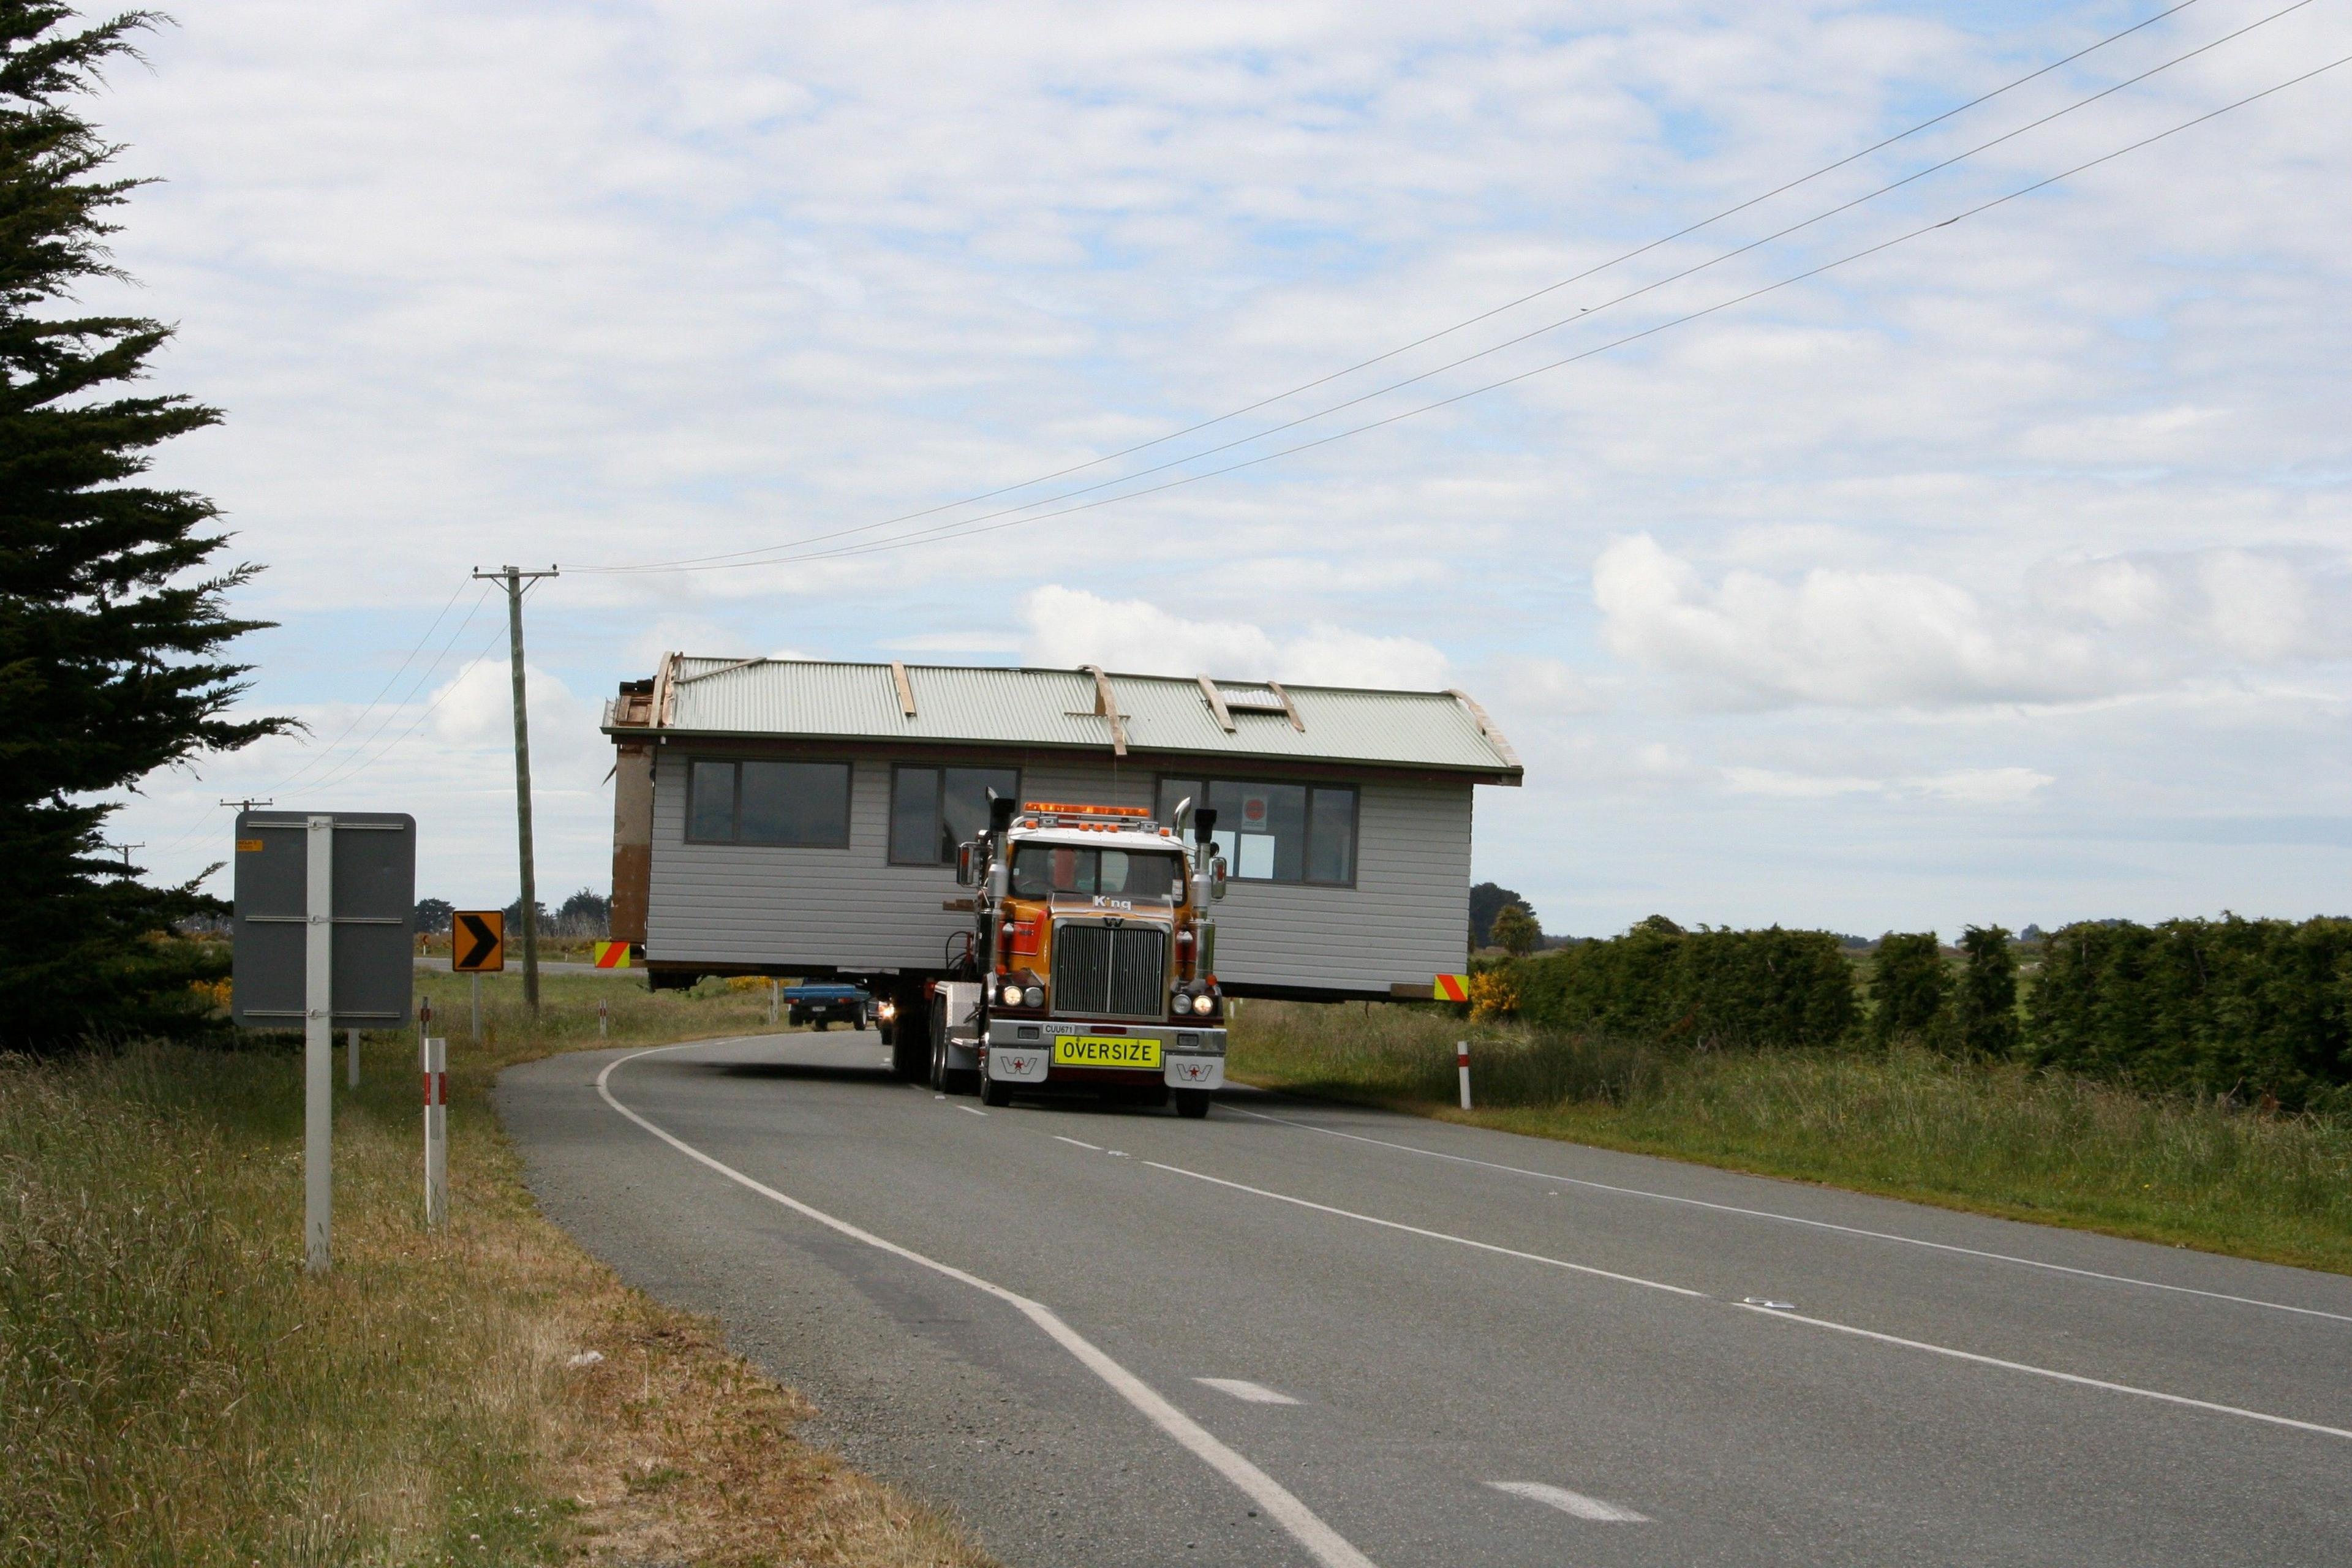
[747, 558]
[361, 718]
[934, 534]
[1430, 337]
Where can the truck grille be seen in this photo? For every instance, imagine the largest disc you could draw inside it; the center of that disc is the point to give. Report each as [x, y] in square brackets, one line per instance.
[1107, 973]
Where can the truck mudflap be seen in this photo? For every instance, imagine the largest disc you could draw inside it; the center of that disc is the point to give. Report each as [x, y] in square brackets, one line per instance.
[1196, 1072]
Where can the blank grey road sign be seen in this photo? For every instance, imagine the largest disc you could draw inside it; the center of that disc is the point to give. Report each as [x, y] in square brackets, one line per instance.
[375, 912]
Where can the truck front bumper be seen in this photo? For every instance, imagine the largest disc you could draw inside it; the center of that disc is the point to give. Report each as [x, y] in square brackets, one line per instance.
[1023, 1052]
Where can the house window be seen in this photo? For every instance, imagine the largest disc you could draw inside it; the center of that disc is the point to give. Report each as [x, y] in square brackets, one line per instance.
[1276, 832]
[803, 805]
[932, 810]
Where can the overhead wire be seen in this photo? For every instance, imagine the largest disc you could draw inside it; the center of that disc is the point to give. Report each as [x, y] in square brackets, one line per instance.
[872, 547]
[781, 552]
[1444, 332]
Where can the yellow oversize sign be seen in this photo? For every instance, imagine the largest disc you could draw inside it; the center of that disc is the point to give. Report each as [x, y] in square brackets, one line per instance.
[612, 955]
[1451, 988]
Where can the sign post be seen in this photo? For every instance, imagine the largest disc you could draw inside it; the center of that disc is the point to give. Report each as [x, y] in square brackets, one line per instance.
[318, 1044]
[351, 1058]
[436, 1053]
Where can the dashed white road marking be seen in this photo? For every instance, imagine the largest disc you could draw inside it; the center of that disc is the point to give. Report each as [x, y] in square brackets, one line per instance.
[1567, 1501]
[1079, 1142]
[1322, 1543]
[1246, 1391]
[1813, 1224]
[1434, 1235]
[972, 1111]
[1773, 1310]
[2075, 1377]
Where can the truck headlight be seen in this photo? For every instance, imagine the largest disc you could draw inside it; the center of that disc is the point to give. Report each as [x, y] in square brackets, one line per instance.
[1204, 1004]
[1034, 998]
[1009, 996]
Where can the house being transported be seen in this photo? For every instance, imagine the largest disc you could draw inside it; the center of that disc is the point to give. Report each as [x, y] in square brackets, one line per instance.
[791, 817]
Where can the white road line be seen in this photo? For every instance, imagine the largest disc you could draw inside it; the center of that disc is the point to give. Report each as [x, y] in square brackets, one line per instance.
[1326, 1546]
[1800, 1219]
[972, 1111]
[1776, 1314]
[1079, 1142]
[2075, 1377]
[1247, 1392]
[1434, 1235]
[1567, 1501]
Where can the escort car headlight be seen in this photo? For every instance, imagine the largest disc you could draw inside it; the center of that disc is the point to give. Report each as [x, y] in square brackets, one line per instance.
[1204, 1004]
[1009, 996]
[1033, 997]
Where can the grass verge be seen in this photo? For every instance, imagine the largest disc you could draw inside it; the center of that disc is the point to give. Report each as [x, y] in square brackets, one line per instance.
[174, 1389]
[1992, 1138]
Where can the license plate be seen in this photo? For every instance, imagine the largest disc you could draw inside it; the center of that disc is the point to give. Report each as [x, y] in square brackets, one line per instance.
[1104, 1051]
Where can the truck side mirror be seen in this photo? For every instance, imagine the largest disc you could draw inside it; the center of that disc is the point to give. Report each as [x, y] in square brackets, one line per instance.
[965, 876]
[1216, 876]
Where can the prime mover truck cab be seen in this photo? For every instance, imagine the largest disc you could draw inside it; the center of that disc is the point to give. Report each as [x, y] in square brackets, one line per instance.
[1091, 963]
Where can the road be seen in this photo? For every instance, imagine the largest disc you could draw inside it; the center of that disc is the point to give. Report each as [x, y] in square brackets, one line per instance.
[1302, 1334]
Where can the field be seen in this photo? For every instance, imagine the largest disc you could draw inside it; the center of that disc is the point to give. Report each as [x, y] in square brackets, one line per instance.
[1989, 1137]
[174, 1389]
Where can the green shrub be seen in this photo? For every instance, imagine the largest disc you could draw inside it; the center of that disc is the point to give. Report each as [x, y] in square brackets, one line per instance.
[1659, 981]
[2248, 1009]
[1907, 987]
[1985, 1007]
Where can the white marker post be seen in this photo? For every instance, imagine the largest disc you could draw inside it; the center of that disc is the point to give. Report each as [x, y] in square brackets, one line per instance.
[1462, 1062]
[318, 1042]
[603, 1016]
[437, 1132]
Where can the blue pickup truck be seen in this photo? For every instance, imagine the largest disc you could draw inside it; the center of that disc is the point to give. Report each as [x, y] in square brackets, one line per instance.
[818, 1005]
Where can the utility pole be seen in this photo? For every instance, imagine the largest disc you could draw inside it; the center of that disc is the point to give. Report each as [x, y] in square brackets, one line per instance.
[514, 577]
[124, 850]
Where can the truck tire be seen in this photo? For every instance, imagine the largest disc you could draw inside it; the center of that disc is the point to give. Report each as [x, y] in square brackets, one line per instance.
[994, 1092]
[1192, 1103]
[939, 1032]
[909, 1051]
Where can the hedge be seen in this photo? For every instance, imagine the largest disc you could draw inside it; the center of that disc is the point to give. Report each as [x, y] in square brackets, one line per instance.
[1772, 988]
[2246, 1008]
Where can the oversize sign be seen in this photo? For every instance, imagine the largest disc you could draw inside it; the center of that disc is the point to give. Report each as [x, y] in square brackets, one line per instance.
[612, 955]
[1451, 988]
[478, 941]
[373, 899]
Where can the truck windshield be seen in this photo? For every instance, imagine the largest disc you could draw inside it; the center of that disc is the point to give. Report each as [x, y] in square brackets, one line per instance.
[1040, 871]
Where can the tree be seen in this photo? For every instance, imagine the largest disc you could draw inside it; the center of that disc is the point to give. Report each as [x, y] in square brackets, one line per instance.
[1515, 931]
[1986, 1005]
[113, 616]
[434, 916]
[1907, 987]
[1486, 901]
[585, 913]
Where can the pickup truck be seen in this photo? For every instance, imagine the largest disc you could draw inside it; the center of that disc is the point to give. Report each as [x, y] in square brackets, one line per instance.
[817, 1006]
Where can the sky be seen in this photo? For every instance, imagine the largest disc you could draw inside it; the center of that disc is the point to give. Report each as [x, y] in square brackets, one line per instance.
[1993, 572]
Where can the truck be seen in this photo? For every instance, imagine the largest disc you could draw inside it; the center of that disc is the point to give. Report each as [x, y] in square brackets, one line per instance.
[818, 1004]
[1090, 965]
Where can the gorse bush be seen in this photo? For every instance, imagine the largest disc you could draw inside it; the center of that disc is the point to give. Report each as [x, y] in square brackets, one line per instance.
[2244, 1009]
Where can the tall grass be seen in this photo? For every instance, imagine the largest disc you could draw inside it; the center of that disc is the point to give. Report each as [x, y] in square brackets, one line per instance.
[175, 1390]
[1995, 1137]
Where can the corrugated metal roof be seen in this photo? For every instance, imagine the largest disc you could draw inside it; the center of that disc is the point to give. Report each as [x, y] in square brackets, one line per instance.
[985, 705]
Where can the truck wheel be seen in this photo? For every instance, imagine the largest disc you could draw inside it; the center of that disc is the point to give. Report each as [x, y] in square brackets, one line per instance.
[1192, 1103]
[939, 1046]
[994, 1092]
[907, 1057]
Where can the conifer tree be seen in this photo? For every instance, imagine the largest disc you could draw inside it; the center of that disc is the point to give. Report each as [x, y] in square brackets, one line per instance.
[113, 613]
[1907, 987]
[1986, 1002]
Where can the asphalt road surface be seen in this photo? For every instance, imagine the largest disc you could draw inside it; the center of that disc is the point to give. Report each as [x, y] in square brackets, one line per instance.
[1299, 1334]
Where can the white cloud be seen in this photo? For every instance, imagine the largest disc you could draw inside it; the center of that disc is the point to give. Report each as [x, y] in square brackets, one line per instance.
[1964, 786]
[1069, 627]
[1842, 637]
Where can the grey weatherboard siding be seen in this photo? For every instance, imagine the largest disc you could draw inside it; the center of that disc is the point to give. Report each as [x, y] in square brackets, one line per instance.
[1405, 921]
